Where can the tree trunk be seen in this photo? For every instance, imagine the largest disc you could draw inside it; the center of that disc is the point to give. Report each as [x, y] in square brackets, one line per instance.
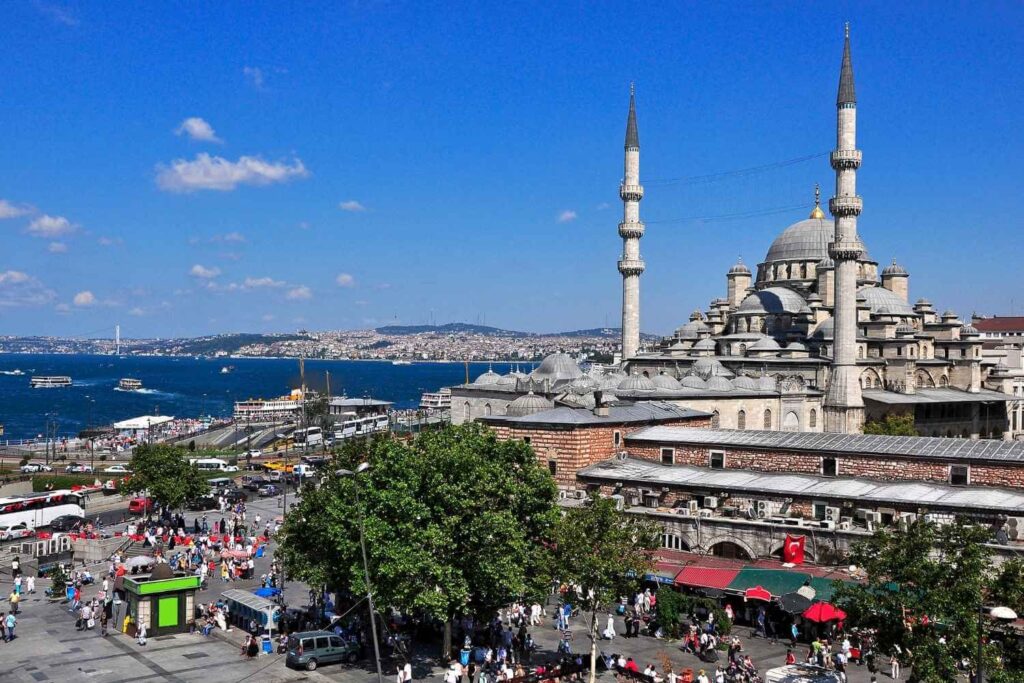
[446, 646]
[593, 645]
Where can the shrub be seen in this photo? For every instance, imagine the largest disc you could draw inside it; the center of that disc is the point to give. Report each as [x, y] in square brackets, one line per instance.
[673, 606]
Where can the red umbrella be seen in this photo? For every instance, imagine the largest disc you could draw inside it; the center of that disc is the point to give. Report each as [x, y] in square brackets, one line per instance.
[757, 593]
[820, 612]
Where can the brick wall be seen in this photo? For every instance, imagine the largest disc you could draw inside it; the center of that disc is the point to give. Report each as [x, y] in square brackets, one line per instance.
[849, 465]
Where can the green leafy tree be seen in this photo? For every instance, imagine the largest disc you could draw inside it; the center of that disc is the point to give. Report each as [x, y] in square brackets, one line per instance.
[165, 473]
[893, 424]
[456, 522]
[602, 552]
[923, 583]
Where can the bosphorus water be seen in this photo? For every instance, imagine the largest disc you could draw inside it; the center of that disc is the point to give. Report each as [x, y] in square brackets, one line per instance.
[190, 387]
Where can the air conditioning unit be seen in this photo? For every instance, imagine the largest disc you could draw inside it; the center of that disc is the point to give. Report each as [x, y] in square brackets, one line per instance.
[827, 524]
[562, 494]
[694, 505]
[622, 455]
[710, 502]
[845, 526]
[634, 501]
[704, 512]
[764, 508]
[862, 513]
[1015, 528]
[620, 501]
[682, 512]
[579, 494]
[846, 520]
[873, 517]
[832, 514]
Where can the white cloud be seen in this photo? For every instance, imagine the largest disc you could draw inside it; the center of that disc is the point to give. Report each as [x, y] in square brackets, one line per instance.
[254, 75]
[14, 277]
[217, 173]
[345, 280]
[302, 292]
[21, 289]
[203, 272]
[233, 236]
[351, 205]
[57, 13]
[11, 210]
[603, 205]
[137, 312]
[63, 309]
[262, 282]
[267, 318]
[84, 298]
[57, 248]
[197, 129]
[51, 226]
[109, 241]
[567, 216]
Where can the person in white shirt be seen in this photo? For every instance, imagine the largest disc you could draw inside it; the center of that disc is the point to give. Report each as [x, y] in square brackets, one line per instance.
[702, 677]
[609, 631]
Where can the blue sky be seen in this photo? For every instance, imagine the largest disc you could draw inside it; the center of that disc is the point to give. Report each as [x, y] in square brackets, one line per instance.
[189, 168]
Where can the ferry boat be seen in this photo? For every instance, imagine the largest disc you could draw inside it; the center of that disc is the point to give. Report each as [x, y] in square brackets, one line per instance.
[13, 373]
[129, 384]
[227, 369]
[40, 382]
[437, 400]
[401, 362]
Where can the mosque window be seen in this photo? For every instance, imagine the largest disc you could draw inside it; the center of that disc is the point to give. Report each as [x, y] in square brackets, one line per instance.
[553, 467]
[668, 456]
[714, 420]
[617, 439]
[526, 440]
[716, 460]
[487, 409]
[465, 410]
[671, 541]
[959, 475]
[767, 419]
[812, 420]
[743, 349]
[829, 467]
[741, 420]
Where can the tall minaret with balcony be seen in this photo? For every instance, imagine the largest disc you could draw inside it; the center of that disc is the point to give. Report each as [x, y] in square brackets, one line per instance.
[843, 404]
[631, 229]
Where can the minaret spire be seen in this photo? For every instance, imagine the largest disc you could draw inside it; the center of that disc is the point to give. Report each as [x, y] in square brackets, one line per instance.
[843, 404]
[631, 229]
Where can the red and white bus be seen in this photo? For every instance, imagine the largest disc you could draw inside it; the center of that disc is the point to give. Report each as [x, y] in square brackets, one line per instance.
[39, 509]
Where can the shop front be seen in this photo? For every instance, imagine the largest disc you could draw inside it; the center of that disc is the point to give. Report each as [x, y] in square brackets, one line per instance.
[165, 603]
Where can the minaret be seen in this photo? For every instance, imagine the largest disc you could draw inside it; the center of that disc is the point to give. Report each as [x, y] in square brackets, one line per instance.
[631, 229]
[843, 405]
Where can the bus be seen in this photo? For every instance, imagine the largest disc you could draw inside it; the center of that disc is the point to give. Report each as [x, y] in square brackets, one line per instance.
[40, 509]
[360, 426]
[209, 464]
[310, 436]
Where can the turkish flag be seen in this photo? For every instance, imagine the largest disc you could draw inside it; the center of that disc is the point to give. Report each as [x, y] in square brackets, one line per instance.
[793, 550]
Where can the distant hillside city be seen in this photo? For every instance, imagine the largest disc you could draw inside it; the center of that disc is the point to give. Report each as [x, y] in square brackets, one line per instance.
[452, 341]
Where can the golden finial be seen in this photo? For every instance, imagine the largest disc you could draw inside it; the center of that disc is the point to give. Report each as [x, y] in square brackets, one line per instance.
[817, 212]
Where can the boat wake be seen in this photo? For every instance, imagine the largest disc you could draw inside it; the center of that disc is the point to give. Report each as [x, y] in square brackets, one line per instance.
[12, 373]
[148, 392]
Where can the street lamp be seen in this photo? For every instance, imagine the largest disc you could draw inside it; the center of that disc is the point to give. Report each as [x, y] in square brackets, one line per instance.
[1000, 613]
[366, 565]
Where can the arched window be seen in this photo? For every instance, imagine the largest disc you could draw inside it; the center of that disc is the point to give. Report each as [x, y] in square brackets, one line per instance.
[741, 420]
[860, 352]
[791, 423]
[487, 409]
[465, 410]
[812, 419]
[714, 420]
[767, 418]
[943, 381]
[743, 349]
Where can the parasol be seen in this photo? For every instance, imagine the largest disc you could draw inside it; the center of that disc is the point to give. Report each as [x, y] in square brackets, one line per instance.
[267, 592]
[794, 603]
[140, 561]
[821, 612]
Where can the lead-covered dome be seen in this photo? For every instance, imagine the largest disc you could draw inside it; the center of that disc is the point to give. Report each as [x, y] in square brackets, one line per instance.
[529, 404]
[773, 300]
[880, 299]
[693, 382]
[693, 330]
[665, 381]
[557, 367]
[805, 240]
[489, 377]
[636, 383]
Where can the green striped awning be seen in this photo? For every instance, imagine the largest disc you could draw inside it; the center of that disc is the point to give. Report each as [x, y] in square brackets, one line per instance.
[776, 581]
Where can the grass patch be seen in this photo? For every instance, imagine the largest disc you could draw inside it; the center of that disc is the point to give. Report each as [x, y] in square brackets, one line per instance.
[62, 481]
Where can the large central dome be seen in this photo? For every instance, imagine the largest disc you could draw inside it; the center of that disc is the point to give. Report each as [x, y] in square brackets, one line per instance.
[806, 240]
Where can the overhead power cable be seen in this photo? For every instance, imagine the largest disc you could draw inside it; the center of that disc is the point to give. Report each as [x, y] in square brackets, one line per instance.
[736, 173]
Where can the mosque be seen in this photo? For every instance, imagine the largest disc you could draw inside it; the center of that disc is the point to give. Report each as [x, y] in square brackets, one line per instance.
[816, 339]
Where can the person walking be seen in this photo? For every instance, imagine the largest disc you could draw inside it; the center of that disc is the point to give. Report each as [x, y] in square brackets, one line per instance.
[13, 598]
[3, 627]
[894, 667]
[140, 635]
[30, 584]
[10, 622]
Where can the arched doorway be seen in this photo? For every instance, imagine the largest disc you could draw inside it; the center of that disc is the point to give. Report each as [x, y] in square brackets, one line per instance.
[730, 550]
[791, 423]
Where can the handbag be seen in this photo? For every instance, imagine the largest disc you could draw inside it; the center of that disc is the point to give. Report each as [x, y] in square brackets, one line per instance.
[91, 623]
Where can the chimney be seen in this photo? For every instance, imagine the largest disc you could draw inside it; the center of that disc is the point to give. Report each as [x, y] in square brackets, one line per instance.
[600, 409]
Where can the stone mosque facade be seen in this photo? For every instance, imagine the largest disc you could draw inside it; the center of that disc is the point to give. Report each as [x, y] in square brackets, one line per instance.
[815, 338]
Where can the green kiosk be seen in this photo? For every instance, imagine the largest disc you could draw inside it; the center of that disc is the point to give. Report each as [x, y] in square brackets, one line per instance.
[162, 601]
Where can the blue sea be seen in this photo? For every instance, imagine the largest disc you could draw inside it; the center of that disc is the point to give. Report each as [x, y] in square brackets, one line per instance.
[191, 387]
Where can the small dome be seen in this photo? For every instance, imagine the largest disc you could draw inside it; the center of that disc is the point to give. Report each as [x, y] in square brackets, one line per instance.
[923, 302]
[879, 298]
[767, 383]
[636, 383]
[584, 385]
[824, 330]
[696, 315]
[719, 384]
[693, 330]
[529, 404]
[557, 367]
[745, 382]
[506, 380]
[814, 297]
[894, 269]
[693, 382]
[826, 263]
[773, 300]
[707, 344]
[949, 313]
[796, 346]
[489, 377]
[664, 381]
[969, 331]
[765, 344]
[710, 367]
[739, 269]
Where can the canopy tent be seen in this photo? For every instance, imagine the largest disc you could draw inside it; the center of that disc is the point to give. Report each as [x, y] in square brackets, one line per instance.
[706, 577]
[757, 593]
[777, 582]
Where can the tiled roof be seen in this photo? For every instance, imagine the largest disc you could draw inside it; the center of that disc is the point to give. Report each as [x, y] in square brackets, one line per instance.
[1000, 324]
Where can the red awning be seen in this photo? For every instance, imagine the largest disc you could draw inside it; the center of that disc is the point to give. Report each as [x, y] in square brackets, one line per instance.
[706, 577]
[757, 593]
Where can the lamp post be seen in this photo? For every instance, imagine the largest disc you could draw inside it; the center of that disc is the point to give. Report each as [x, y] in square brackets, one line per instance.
[1000, 613]
[366, 565]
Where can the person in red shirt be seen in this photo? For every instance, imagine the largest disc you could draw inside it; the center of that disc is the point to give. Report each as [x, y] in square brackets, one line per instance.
[631, 665]
[790, 657]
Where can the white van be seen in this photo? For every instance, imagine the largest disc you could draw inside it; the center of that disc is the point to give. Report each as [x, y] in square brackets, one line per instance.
[303, 470]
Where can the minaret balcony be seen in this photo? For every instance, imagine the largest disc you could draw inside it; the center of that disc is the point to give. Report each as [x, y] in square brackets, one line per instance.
[628, 230]
[631, 193]
[846, 251]
[631, 266]
[846, 205]
[846, 158]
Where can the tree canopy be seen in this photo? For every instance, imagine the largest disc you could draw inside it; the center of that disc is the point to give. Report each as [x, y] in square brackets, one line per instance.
[456, 522]
[164, 471]
[925, 586]
[893, 424]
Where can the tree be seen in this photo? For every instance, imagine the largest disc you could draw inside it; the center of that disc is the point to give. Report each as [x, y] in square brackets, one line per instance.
[893, 424]
[602, 552]
[164, 471]
[923, 583]
[456, 522]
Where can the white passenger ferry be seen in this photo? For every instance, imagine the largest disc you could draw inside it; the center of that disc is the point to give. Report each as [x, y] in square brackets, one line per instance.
[129, 384]
[50, 382]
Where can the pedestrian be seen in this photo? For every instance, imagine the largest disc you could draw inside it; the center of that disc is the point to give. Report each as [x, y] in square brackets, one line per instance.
[3, 627]
[10, 622]
[103, 622]
[140, 635]
[894, 667]
[13, 598]
[609, 631]
[30, 584]
[702, 677]
[253, 648]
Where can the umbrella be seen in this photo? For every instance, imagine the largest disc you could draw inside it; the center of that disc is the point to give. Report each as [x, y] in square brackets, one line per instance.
[757, 593]
[234, 554]
[821, 612]
[807, 591]
[140, 561]
[794, 603]
[267, 592]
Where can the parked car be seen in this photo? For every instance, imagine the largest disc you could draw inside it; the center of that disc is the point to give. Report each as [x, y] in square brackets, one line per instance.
[234, 496]
[67, 523]
[15, 531]
[253, 453]
[269, 490]
[78, 468]
[117, 469]
[254, 483]
[229, 468]
[310, 649]
[202, 503]
[140, 506]
[35, 467]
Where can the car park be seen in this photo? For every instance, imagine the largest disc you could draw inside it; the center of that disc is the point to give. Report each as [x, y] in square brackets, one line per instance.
[254, 483]
[15, 531]
[309, 649]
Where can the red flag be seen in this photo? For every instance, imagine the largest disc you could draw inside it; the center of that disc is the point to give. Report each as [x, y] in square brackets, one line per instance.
[793, 550]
